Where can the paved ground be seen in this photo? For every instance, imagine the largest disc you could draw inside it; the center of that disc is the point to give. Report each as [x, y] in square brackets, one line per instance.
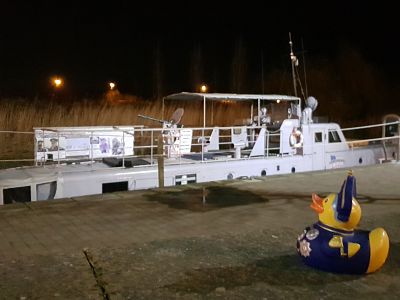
[226, 240]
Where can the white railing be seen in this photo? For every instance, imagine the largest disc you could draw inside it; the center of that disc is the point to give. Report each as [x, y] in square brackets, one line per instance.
[371, 126]
[368, 140]
[145, 143]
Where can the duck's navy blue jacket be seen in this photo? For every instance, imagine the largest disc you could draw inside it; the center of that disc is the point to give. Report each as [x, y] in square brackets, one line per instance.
[324, 257]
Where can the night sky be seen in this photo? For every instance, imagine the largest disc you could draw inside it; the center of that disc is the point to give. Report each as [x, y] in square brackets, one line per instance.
[156, 49]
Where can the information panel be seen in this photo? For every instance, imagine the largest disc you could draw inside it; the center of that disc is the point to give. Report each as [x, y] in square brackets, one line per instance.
[87, 143]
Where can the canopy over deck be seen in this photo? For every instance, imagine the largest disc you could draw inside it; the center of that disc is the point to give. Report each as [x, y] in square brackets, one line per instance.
[231, 97]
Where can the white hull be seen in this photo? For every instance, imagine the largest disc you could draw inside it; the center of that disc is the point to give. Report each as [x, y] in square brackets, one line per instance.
[90, 182]
[81, 180]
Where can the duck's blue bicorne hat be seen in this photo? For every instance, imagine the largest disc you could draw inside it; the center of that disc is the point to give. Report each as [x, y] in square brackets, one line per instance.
[345, 197]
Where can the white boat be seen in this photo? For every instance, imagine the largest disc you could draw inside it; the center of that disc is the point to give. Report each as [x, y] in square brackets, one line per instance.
[78, 161]
[278, 137]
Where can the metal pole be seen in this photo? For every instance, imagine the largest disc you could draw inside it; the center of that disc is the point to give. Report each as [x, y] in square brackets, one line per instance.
[202, 145]
[304, 68]
[35, 147]
[212, 113]
[162, 109]
[398, 140]
[204, 111]
[251, 113]
[151, 148]
[91, 146]
[58, 147]
[160, 159]
[123, 149]
[294, 60]
[45, 157]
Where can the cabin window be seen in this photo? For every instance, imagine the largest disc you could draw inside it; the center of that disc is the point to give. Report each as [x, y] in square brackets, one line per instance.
[46, 191]
[318, 137]
[111, 187]
[334, 137]
[19, 194]
[185, 179]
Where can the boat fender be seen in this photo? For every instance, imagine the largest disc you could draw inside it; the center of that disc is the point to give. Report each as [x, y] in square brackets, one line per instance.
[296, 138]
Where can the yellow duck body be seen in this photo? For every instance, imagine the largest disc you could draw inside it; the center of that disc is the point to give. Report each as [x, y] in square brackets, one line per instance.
[333, 244]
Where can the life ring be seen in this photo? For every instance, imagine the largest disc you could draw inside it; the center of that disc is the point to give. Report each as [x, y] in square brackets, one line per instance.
[296, 138]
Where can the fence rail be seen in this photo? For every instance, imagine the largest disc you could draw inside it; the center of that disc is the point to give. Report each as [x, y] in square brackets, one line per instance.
[142, 142]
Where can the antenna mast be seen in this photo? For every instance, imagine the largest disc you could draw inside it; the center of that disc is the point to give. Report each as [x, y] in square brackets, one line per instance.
[295, 62]
[304, 67]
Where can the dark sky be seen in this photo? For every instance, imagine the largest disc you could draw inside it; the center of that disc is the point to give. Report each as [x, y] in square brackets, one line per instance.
[172, 46]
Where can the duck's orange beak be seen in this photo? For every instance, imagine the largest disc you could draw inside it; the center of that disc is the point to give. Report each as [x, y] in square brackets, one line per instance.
[317, 203]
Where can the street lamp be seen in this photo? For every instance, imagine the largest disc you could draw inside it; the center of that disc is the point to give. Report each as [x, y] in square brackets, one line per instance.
[112, 85]
[203, 88]
[57, 82]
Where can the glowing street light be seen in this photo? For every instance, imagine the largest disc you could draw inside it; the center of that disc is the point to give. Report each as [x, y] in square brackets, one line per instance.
[112, 85]
[203, 88]
[56, 90]
[57, 82]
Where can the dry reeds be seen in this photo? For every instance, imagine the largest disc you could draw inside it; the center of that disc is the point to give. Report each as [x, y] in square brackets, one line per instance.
[21, 115]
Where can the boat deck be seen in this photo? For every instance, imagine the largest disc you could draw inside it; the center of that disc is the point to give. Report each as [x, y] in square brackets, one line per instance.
[222, 240]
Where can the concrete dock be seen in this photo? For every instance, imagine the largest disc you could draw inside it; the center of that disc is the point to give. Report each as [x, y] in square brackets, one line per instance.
[222, 240]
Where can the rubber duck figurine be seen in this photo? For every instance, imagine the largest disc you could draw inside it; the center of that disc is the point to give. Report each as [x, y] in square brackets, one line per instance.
[333, 244]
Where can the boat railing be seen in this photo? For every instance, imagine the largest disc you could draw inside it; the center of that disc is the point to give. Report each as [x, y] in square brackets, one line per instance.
[389, 135]
[179, 145]
[365, 141]
[202, 145]
[82, 145]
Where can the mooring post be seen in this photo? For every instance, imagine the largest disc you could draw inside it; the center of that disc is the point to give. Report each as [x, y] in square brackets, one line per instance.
[160, 160]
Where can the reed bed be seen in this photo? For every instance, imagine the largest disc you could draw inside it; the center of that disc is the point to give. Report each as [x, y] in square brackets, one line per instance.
[20, 115]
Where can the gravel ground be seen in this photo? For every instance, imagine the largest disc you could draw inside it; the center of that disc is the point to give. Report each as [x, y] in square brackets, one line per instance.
[255, 266]
[183, 258]
[260, 265]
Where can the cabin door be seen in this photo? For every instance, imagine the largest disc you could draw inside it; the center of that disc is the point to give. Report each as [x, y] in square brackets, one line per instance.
[318, 144]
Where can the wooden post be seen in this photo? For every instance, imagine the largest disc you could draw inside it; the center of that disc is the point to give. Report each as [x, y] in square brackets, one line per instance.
[160, 160]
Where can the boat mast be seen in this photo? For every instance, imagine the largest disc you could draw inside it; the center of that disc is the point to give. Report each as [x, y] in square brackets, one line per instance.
[304, 69]
[295, 62]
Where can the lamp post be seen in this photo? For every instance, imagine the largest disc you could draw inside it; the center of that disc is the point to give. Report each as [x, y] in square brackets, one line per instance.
[203, 88]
